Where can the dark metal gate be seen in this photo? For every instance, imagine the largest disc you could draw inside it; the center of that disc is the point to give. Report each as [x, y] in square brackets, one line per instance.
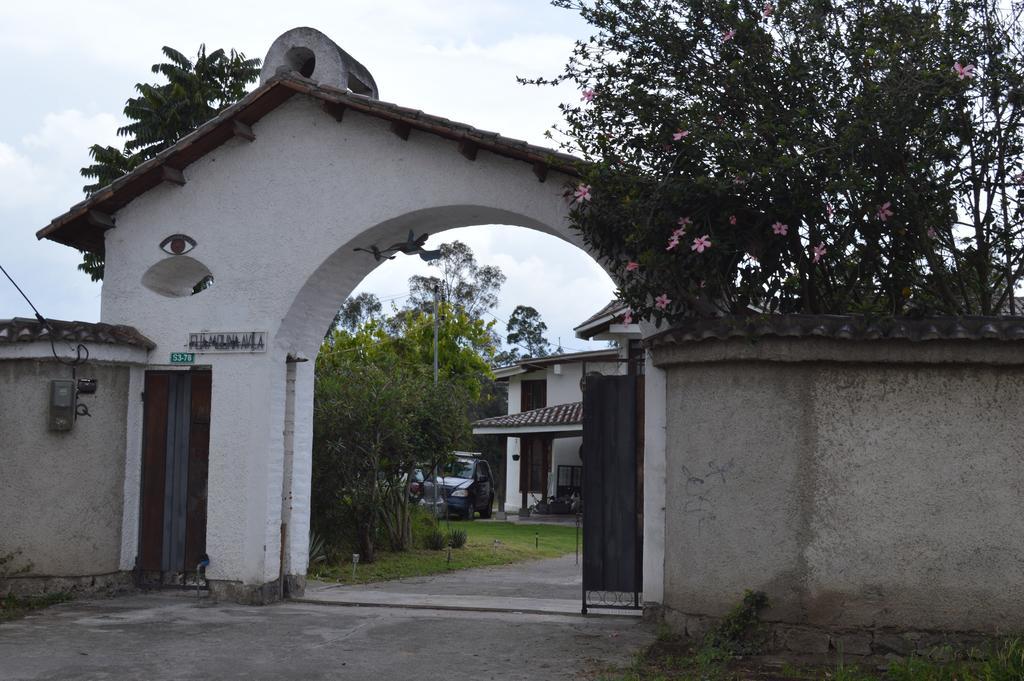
[175, 463]
[612, 542]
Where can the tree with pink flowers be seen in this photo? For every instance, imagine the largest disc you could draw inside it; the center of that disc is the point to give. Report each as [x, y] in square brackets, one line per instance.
[829, 156]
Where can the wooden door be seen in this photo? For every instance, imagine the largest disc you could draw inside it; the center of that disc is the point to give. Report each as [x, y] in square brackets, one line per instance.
[175, 464]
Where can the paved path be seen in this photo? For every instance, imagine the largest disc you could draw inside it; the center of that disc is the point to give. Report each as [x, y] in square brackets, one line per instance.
[171, 636]
[539, 586]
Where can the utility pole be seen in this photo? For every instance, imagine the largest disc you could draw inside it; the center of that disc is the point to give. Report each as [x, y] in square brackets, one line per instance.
[435, 333]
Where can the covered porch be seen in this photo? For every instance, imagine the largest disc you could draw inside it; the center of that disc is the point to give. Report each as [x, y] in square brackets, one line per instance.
[548, 468]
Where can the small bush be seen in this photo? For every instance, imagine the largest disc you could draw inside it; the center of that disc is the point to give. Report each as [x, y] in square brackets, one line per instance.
[435, 540]
[740, 631]
[457, 539]
[421, 523]
[9, 568]
[317, 549]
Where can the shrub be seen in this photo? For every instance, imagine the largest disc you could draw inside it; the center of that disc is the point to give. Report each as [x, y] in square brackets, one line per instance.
[836, 157]
[740, 631]
[457, 539]
[9, 569]
[435, 540]
[317, 549]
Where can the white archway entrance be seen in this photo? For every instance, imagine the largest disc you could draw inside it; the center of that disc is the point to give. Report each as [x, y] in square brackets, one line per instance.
[269, 199]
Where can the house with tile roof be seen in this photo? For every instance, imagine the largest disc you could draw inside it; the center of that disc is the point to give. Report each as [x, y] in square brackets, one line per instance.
[544, 423]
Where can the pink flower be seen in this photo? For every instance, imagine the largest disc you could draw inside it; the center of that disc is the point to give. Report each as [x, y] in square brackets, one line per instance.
[728, 35]
[739, 179]
[679, 134]
[780, 229]
[885, 211]
[964, 71]
[702, 283]
[732, 219]
[829, 210]
[662, 301]
[819, 252]
[582, 192]
[673, 241]
[767, 10]
[632, 266]
[627, 317]
[682, 222]
[932, 234]
[588, 95]
[700, 243]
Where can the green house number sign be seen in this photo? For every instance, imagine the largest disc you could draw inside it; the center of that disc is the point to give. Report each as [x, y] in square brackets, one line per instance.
[183, 358]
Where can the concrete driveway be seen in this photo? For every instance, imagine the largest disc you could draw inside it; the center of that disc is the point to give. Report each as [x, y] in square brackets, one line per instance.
[551, 586]
[170, 635]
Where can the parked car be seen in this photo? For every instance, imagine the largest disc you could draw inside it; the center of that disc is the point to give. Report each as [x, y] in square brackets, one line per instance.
[468, 486]
[423, 490]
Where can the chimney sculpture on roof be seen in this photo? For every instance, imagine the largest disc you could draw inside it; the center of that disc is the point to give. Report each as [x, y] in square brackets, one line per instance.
[311, 54]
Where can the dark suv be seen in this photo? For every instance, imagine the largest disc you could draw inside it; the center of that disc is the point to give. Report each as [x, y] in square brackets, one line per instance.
[468, 486]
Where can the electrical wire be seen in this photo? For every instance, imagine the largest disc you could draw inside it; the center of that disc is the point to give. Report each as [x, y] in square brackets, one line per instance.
[80, 350]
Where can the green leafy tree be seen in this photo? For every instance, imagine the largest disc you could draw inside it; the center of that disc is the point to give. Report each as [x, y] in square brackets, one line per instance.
[526, 331]
[355, 311]
[376, 416]
[804, 156]
[162, 113]
[465, 344]
[462, 282]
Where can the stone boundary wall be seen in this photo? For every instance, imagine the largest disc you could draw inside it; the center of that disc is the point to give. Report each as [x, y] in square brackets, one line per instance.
[108, 584]
[871, 488]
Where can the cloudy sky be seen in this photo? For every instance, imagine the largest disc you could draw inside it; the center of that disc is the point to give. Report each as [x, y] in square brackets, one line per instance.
[67, 68]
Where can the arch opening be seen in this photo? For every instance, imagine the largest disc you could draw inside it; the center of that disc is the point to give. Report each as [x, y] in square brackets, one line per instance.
[341, 272]
[302, 60]
[178, 277]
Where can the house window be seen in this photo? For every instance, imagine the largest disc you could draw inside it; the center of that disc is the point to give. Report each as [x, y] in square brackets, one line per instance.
[533, 395]
[569, 481]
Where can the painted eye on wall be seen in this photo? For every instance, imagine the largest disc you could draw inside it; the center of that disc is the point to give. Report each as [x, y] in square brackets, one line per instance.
[178, 244]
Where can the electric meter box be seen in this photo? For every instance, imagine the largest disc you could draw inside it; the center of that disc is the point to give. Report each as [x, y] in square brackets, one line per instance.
[62, 405]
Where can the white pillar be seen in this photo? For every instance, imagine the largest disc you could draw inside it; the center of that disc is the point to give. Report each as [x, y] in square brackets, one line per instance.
[297, 557]
[654, 482]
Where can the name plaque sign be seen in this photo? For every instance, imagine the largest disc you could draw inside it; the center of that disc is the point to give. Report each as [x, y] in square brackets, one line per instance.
[228, 341]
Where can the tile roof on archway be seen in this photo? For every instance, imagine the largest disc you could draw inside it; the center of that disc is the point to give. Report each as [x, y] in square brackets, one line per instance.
[84, 225]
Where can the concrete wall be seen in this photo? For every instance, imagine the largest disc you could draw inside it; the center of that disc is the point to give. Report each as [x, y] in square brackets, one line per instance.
[61, 493]
[860, 484]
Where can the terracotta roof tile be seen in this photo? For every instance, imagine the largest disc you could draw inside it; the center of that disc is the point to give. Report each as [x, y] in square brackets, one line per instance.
[844, 327]
[614, 306]
[82, 228]
[22, 330]
[556, 415]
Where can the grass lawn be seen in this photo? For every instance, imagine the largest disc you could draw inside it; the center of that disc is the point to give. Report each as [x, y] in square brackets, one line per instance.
[12, 607]
[516, 543]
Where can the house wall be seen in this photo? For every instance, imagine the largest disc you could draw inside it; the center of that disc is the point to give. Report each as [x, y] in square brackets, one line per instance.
[860, 485]
[563, 387]
[276, 221]
[62, 494]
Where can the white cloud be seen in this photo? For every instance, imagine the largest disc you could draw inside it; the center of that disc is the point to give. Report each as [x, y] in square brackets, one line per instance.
[535, 264]
[42, 170]
[457, 59]
[21, 178]
[70, 132]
